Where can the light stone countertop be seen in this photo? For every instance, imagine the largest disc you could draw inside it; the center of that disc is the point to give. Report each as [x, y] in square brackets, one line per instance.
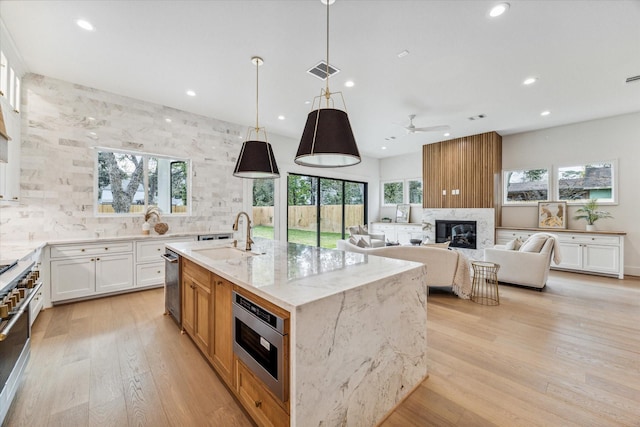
[21, 249]
[291, 275]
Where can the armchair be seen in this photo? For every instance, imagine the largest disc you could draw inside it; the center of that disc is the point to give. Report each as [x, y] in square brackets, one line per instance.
[526, 267]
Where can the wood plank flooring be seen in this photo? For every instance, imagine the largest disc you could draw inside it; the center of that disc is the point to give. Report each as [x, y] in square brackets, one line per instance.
[567, 356]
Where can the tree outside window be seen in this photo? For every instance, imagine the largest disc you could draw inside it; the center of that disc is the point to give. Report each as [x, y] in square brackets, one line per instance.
[526, 185]
[128, 183]
[393, 193]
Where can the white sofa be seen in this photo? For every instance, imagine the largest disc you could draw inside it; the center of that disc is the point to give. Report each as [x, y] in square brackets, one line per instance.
[524, 267]
[444, 267]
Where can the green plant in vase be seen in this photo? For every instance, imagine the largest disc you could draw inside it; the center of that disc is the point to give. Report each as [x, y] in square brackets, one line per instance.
[590, 213]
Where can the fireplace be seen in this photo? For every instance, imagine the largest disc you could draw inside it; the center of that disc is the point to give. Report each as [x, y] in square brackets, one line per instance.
[461, 234]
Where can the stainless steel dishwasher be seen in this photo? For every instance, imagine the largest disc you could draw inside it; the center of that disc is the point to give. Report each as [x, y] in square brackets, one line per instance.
[172, 299]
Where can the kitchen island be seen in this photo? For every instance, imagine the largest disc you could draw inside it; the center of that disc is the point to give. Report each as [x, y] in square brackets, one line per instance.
[357, 326]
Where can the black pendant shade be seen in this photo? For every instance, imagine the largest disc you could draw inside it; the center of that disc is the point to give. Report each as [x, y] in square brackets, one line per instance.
[256, 160]
[327, 140]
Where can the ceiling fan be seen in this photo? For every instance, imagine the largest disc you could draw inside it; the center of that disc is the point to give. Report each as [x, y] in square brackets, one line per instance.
[411, 128]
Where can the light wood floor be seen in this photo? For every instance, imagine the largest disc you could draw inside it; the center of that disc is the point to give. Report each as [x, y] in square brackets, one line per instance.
[568, 356]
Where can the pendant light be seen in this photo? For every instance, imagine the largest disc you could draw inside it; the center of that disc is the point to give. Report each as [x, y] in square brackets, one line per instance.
[327, 140]
[256, 159]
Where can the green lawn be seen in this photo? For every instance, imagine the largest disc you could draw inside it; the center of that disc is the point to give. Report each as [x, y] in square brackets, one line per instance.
[327, 240]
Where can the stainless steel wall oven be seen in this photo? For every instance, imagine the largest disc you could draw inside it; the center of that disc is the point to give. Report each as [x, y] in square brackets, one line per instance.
[259, 342]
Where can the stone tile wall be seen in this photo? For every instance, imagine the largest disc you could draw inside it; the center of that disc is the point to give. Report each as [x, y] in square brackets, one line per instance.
[58, 158]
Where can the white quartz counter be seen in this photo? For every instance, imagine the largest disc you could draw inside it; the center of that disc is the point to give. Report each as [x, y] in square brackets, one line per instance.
[291, 275]
[358, 326]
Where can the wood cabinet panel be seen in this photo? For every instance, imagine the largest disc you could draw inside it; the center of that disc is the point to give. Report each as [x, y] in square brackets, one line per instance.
[222, 348]
[197, 303]
[262, 407]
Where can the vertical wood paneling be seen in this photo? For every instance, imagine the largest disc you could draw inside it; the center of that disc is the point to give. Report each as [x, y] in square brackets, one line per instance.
[471, 165]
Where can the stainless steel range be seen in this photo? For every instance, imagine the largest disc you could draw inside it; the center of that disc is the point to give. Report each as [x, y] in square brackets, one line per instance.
[19, 284]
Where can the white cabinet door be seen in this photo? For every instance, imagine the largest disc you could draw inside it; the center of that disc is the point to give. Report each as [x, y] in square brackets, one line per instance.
[601, 259]
[114, 273]
[72, 278]
[570, 255]
[150, 274]
[10, 171]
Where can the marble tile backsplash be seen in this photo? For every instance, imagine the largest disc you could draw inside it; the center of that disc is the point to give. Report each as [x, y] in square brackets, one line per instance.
[63, 123]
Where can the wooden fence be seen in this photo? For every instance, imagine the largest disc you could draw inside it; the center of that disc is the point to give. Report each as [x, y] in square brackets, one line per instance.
[305, 217]
[108, 209]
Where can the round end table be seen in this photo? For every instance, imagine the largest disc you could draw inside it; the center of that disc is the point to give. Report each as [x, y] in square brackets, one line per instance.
[485, 283]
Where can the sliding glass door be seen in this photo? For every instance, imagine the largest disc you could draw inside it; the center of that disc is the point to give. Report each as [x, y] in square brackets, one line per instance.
[320, 209]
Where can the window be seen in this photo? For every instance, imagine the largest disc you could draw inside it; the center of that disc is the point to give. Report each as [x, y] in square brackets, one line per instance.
[319, 210]
[393, 192]
[402, 192]
[263, 208]
[525, 186]
[4, 76]
[129, 182]
[586, 181]
[415, 191]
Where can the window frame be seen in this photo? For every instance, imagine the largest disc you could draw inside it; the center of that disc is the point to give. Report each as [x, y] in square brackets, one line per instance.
[393, 181]
[145, 183]
[408, 191]
[614, 182]
[550, 181]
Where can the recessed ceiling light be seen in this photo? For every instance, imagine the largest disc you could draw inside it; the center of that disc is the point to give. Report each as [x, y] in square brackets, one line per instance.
[529, 81]
[545, 113]
[307, 102]
[281, 117]
[383, 148]
[447, 134]
[498, 9]
[191, 93]
[349, 83]
[92, 135]
[85, 25]
[403, 53]
[168, 120]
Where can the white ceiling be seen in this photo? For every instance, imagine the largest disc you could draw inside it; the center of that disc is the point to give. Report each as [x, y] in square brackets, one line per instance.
[461, 62]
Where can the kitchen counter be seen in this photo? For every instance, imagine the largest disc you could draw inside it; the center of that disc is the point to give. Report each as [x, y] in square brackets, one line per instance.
[358, 325]
[20, 249]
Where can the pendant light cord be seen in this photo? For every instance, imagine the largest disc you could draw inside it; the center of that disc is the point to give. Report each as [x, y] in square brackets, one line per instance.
[257, 91]
[327, 93]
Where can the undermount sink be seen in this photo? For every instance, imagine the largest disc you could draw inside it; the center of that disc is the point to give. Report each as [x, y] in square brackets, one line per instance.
[224, 253]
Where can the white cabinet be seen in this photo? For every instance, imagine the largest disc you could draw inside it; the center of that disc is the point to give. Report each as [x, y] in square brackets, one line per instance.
[592, 252]
[10, 171]
[396, 232]
[149, 263]
[79, 271]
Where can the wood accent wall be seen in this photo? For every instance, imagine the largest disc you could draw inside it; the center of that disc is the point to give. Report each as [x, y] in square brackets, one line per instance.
[471, 164]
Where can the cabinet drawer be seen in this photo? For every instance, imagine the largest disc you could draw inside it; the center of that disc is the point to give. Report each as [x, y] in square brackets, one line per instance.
[264, 408]
[106, 248]
[589, 239]
[197, 273]
[151, 251]
[150, 274]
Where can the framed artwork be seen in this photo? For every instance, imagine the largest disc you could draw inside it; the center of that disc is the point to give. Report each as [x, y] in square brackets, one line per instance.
[402, 213]
[552, 214]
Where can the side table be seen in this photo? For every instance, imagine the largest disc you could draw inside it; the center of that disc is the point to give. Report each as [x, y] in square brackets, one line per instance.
[485, 283]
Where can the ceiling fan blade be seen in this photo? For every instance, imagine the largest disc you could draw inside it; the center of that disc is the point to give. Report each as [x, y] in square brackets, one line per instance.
[432, 128]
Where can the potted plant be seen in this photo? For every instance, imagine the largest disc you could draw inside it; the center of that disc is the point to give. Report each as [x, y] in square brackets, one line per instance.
[590, 213]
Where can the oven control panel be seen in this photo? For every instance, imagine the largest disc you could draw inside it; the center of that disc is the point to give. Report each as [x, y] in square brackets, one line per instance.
[13, 295]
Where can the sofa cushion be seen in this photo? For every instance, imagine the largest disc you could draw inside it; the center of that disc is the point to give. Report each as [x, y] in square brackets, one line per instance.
[514, 245]
[533, 243]
[444, 245]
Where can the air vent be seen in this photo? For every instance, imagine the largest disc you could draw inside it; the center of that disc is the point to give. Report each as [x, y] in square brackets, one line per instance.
[320, 70]
[633, 79]
[478, 117]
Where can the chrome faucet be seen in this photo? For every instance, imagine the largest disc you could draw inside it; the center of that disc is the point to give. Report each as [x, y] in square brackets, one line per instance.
[235, 228]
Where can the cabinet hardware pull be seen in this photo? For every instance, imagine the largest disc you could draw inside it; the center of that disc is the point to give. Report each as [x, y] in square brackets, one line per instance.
[82, 250]
[97, 259]
[159, 249]
[92, 259]
[258, 403]
[106, 249]
[15, 198]
[158, 271]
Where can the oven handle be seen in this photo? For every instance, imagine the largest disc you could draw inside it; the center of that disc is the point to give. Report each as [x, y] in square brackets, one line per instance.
[169, 259]
[5, 331]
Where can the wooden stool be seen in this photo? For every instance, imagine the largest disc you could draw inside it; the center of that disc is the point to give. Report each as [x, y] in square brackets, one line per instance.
[485, 283]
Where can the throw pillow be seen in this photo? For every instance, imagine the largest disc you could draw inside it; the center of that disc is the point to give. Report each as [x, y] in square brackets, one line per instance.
[533, 244]
[354, 230]
[362, 243]
[353, 240]
[513, 245]
[365, 237]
